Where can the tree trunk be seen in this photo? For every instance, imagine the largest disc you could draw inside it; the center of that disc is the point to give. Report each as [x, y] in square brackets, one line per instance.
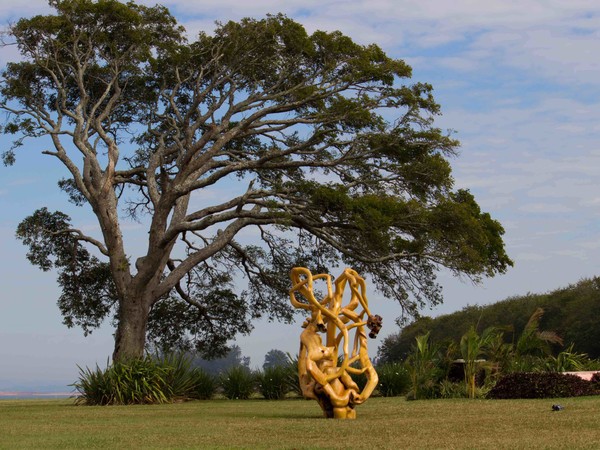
[130, 338]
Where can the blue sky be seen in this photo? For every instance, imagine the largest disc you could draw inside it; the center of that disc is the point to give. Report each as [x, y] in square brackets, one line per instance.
[518, 82]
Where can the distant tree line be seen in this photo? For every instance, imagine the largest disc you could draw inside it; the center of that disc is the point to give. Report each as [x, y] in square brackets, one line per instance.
[572, 312]
[233, 358]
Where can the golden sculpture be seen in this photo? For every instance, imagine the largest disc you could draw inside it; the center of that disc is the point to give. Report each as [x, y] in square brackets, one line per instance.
[318, 372]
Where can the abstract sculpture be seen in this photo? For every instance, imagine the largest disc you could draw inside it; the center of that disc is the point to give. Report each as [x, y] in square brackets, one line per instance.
[322, 375]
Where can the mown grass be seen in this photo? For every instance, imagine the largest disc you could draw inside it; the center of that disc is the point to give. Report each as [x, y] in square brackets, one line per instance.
[381, 423]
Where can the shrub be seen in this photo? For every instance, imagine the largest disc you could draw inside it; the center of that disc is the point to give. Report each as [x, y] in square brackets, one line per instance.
[292, 375]
[540, 385]
[138, 381]
[452, 389]
[184, 381]
[394, 379]
[567, 361]
[359, 378]
[273, 382]
[205, 385]
[179, 375]
[595, 380]
[425, 368]
[93, 387]
[238, 383]
[143, 381]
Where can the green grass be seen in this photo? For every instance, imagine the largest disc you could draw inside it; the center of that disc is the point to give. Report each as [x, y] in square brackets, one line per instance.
[381, 423]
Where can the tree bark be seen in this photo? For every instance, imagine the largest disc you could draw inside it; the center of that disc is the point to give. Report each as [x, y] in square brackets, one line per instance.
[130, 337]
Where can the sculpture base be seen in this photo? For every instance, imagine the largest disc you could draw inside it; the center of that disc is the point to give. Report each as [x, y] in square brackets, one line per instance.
[332, 412]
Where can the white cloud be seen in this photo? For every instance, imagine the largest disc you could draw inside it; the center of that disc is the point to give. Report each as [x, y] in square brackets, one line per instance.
[545, 208]
[594, 201]
[590, 245]
[577, 254]
[531, 257]
[22, 182]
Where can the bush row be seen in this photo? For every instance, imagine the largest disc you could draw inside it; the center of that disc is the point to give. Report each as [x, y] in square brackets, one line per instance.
[143, 381]
[171, 378]
[543, 385]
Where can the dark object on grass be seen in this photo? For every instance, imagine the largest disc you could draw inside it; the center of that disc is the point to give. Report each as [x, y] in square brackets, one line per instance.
[557, 407]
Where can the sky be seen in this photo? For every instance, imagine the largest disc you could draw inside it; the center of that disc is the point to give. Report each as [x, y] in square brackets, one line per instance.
[518, 82]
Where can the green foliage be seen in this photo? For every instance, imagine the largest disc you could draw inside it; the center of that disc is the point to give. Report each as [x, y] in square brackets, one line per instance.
[360, 379]
[532, 340]
[178, 373]
[292, 376]
[450, 389]
[204, 385]
[424, 367]
[488, 352]
[275, 358]
[273, 381]
[394, 379]
[238, 383]
[150, 380]
[139, 381]
[472, 348]
[88, 292]
[541, 385]
[173, 324]
[527, 363]
[398, 346]
[570, 361]
[185, 381]
[571, 313]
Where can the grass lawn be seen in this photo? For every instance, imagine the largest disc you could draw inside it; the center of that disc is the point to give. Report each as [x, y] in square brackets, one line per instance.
[381, 423]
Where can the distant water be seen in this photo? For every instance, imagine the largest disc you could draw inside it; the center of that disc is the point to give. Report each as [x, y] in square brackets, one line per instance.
[33, 395]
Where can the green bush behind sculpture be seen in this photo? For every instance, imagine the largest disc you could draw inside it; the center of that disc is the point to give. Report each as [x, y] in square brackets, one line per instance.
[170, 378]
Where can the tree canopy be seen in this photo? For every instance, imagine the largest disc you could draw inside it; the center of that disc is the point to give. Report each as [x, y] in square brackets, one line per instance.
[275, 358]
[317, 145]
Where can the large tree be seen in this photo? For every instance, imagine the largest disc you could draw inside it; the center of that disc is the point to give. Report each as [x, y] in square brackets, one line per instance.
[313, 143]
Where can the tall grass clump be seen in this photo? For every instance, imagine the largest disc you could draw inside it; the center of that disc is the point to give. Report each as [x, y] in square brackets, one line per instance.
[184, 381]
[138, 381]
[180, 379]
[238, 383]
[150, 380]
[394, 379]
[292, 375]
[205, 385]
[273, 382]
